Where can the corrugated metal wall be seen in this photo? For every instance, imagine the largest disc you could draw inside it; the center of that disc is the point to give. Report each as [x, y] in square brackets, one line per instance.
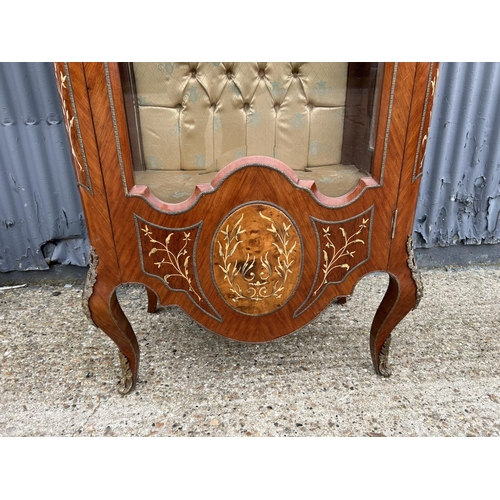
[40, 210]
[41, 215]
[459, 197]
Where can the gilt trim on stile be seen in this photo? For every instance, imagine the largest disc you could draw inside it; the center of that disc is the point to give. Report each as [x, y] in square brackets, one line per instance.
[431, 83]
[67, 78]
[388, 127]
[115, 127]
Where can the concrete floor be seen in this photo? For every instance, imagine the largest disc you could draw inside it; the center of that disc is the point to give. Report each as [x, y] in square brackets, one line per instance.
[59, 374]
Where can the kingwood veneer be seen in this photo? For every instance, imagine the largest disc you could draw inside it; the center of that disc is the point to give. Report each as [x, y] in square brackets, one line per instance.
[257, 253]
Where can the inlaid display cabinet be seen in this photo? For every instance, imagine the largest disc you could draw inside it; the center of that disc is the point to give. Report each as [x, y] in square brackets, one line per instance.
[251, 195]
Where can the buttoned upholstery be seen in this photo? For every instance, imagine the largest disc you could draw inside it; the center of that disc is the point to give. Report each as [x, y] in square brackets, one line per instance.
[200, 116]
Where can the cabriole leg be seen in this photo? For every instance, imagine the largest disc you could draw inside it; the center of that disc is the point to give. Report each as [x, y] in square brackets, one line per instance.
[401, 296]
[102, 307]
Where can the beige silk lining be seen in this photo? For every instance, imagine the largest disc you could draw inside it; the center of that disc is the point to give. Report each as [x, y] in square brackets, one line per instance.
[201, 116]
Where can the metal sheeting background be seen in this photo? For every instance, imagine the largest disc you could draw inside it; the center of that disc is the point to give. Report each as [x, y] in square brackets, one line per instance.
[40, 210]
[41, 216]
[459, 199]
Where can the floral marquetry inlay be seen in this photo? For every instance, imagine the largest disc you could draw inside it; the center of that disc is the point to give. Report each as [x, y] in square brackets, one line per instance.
[257, 259]
[339, 251]
[169, 254]
[343, 246]
[175, 262]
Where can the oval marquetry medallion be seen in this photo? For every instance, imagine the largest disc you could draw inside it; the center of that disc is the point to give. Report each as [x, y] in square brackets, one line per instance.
[257, 259]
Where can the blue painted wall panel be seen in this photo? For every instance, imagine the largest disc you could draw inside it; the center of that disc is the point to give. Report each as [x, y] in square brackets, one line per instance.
[41, 216]
[459, 199]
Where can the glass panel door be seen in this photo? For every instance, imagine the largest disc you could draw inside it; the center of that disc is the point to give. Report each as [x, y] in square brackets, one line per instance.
[188, 120]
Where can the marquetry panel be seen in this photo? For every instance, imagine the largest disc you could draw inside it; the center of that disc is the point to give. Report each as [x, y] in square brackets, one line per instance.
[343, 246]
[170, 255]
[257, 259]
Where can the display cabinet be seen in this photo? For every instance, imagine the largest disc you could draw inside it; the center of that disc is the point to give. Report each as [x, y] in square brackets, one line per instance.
[251, 195]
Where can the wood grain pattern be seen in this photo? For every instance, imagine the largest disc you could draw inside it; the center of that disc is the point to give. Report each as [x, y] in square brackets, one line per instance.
[337, 240]
[257, 259]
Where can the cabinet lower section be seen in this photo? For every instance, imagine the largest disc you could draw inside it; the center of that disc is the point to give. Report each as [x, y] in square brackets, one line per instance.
[255, 271]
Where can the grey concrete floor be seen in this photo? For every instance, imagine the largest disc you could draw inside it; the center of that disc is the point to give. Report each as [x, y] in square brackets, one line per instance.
[59, 374]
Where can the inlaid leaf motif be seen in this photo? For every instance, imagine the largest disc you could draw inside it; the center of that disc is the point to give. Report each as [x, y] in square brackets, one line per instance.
[331, 259]
[172, 259]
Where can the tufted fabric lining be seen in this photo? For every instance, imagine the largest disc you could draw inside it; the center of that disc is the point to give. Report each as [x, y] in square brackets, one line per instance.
[201, 116]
